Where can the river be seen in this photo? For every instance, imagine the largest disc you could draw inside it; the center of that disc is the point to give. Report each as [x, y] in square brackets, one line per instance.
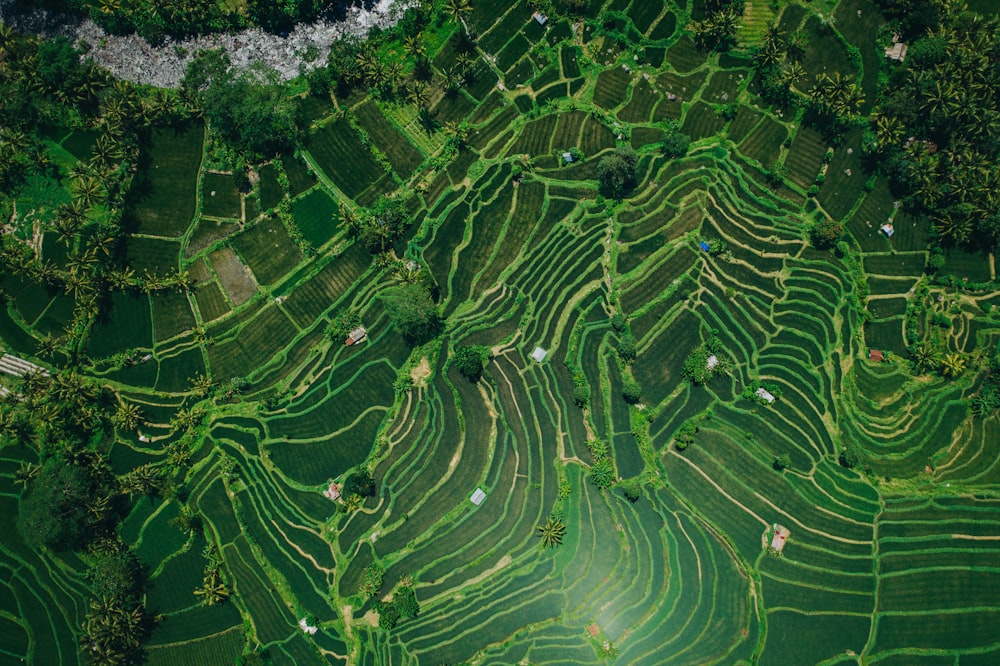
[132, 58]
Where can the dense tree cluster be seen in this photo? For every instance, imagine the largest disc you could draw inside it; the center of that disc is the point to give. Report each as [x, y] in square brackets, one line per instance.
[249, 108]
[937, 121]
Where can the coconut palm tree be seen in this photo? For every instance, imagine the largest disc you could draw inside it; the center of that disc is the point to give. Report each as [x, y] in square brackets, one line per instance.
[127, 416]
[952, 365]
[414, 46]
[955, 227]
[458, 10]
[924, 356]
[552, 532]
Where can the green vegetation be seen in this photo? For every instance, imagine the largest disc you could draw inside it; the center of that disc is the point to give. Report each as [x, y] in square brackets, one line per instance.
[206, 463]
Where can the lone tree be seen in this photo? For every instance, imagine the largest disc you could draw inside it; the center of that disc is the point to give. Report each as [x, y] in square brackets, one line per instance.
[825, 233]
[471, 361]
[552, 532]
[616, 172]
[413, 312]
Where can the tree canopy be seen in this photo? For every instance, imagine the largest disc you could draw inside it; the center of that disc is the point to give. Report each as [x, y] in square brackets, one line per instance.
[412, 311]
[248, 108]
[616, 172]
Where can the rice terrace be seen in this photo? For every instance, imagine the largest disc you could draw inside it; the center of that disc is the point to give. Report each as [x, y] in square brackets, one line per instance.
[553, 332]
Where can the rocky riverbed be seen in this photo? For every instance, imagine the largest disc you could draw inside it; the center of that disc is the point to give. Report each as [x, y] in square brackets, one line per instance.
[132, 58]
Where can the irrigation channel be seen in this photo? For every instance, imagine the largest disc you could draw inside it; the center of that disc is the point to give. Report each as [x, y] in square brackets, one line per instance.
[892, 562]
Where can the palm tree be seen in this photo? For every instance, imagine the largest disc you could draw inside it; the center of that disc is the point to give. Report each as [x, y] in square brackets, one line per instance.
[414, 46]
[458, 9]
[201, 384]
[47, 345]
[924, 356]
[418, 94]
[127, 416]
[955, 227]
[88, 190]
[552, 532]
[952, 365]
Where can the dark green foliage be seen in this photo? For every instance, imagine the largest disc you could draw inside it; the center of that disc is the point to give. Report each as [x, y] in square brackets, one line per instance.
[471, 361]
[114, 572]
[850, 456]
[684, 436]
[825, 233]
[616, 172]
[360, 483]
[782, 462]
[937, 122]
[631, 390]
[342, 323]
[619, 323]
[377, 227]
[696, 365]
[675, 143]
[936, 260]
[412, 311]
[405, 600]
[53, 513]
[581, 390]
[602, 473]
[632, 488]
[626, 348]
[249, 109]
[371, 581]
[388, 614]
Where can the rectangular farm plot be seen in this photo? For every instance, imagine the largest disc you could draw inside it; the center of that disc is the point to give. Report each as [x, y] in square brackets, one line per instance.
[211, 302]
[270, 191]
[701, 121]
[208, 232]
[805, 157]
[233, 275]
[128, 324]
[154, 255]
[219, 196]
[612, 88]
[402, 154]
[162, 198]
[317, 218]
[171, 314]
[268, 250]
[255, 345]
[300, 178]
[339, 152]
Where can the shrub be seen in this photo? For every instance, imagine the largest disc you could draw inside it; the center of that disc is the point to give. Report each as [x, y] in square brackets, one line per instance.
[471, 361]
[632, 489]
[626, 348]
[850, 456]
[631, 391]
[616, 172]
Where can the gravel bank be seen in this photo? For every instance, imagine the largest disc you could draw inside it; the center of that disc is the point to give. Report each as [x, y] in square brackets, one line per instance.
[132, 58]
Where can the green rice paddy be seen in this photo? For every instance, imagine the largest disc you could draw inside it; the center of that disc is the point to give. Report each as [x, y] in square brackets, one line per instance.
[892, 562]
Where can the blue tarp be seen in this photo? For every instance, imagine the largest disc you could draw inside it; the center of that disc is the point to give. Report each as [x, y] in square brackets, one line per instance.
[705, 246]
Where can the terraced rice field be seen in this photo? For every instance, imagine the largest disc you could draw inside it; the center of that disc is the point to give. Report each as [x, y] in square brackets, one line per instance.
[893, 561]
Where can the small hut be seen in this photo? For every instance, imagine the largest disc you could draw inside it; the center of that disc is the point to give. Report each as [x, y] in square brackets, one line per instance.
[875, 355]
[765, 395]
[332, 492]
[477, 496]
[779, 538]
[356, 336]
[539, 354]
